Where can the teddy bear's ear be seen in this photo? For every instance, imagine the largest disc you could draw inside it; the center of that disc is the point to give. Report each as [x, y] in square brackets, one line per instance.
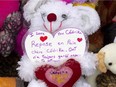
[89, 18]
[31, 6]
[101, 64]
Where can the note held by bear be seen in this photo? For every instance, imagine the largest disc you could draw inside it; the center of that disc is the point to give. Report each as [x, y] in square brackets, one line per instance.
[44, 47]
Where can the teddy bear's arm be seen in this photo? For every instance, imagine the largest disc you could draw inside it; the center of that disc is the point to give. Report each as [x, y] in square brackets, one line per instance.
[88, 64]
[26, 68]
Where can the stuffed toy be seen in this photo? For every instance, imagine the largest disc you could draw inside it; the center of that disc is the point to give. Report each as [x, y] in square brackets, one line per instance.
[10, 23]
[55, 46]
[107, 66]
[105, 75]
[107, 79]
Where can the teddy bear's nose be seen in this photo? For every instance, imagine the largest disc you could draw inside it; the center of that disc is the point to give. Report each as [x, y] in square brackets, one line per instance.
[51, 17]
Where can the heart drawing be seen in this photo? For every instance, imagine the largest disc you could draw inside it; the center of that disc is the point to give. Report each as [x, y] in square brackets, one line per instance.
[65, 44]
[79, 39]
[43, 38]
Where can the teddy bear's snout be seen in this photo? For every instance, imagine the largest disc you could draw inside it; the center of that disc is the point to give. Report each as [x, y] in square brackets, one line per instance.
[51, 17]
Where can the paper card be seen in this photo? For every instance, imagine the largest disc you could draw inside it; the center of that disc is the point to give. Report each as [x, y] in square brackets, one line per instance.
[44, 47]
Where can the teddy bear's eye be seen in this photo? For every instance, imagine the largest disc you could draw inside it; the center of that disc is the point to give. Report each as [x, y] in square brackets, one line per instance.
[43, 14]
[110, 64]
[64, 16]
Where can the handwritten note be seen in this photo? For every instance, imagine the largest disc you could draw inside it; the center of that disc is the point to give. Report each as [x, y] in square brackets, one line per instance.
[44, 47]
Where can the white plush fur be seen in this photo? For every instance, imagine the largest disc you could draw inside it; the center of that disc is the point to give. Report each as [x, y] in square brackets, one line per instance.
[88, 63]
[30, 8]
[84, 18]
[81, 83]
[89, 19]
[92, 79]
[26, 69]
[37, 83]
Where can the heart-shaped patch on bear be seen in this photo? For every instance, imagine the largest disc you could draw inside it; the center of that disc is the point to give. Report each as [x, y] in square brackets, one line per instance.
[67, 43]
[63, 76]
[59, 76]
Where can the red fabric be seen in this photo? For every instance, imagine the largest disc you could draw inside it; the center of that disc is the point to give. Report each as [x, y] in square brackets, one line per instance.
[71, 63]
[7, 7]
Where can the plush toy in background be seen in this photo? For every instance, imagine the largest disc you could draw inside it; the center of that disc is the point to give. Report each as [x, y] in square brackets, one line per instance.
[109, 33]
[107, 66]
[105, 75]
[10, 23]
[51, 56]
[107, 79]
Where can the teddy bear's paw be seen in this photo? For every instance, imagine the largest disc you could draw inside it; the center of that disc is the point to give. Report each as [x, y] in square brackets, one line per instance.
[89, 67]
[26, 69]
[38, 83]
[86, 85]
[81, 83]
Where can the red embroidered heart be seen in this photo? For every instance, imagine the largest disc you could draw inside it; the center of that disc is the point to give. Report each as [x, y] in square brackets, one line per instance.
[63, 76]
[43, 38]
[79, 39]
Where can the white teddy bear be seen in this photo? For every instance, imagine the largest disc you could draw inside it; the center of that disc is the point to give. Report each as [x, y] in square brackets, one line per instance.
[52, 16]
